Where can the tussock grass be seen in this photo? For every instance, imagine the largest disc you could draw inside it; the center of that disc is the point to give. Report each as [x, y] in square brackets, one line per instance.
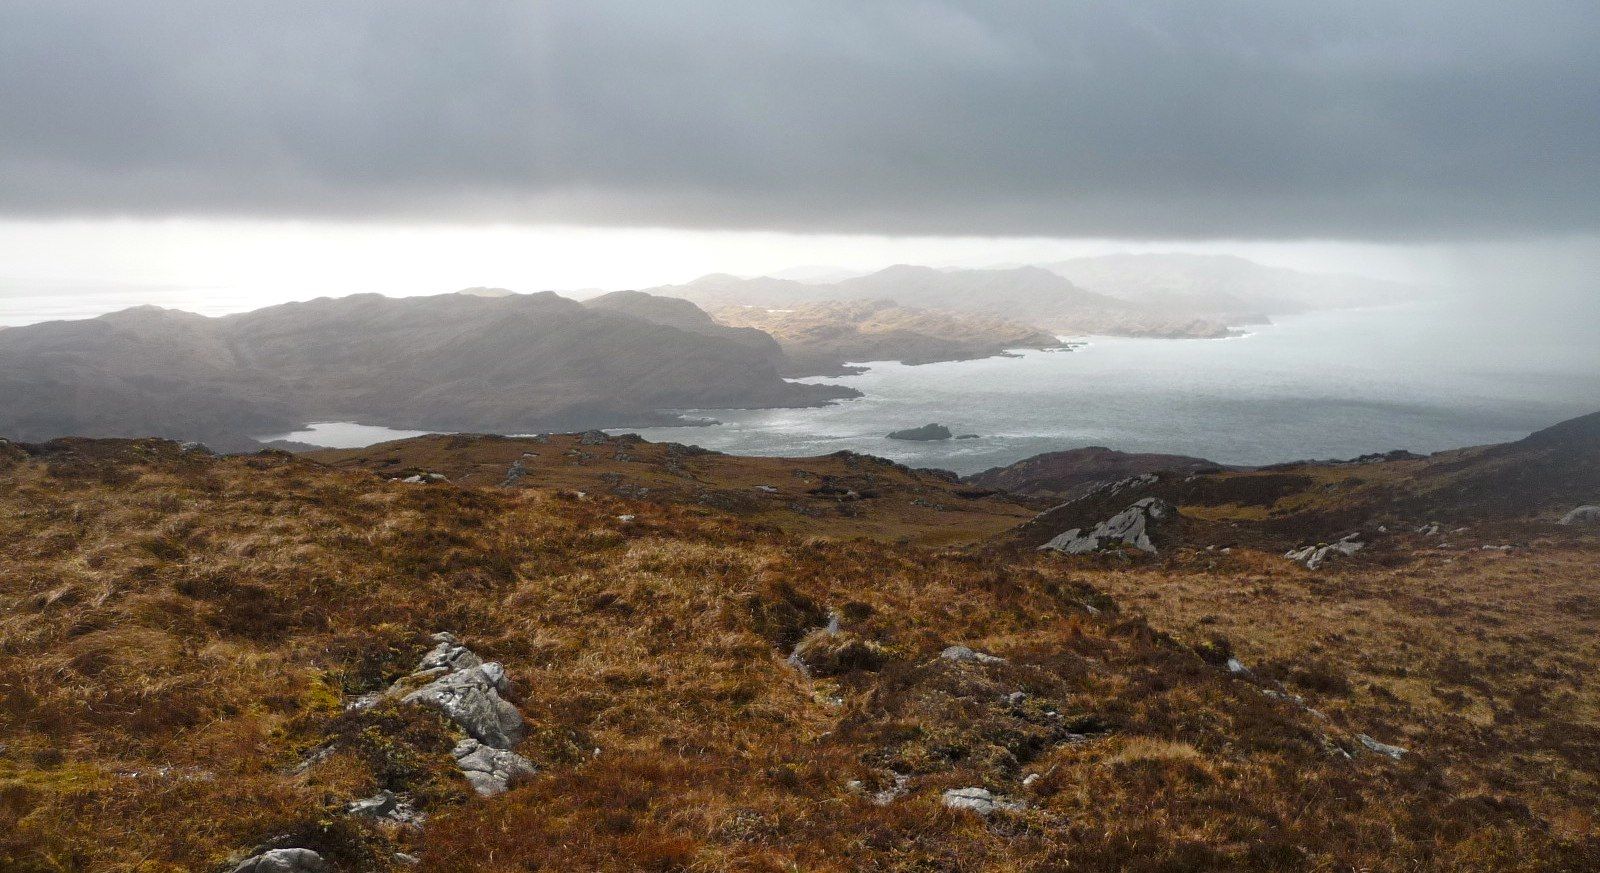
[178, 632]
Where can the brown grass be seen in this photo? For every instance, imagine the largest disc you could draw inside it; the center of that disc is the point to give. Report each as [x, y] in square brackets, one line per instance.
[177, 632]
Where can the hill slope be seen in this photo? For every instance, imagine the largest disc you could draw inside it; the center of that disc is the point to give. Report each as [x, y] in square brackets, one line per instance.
[820, 338]
[843, 495]
[202, 641]
[1030, 295]
[449, 362]
[1072, 473]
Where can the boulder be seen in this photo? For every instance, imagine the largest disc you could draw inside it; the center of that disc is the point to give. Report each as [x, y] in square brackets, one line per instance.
[962, 654]
[285, 861]
[449, 654]
[980, 800]
[377, 806]
[1130, 527]
[1373, 745]
[1582, 515]
[388, 806]
[490, 770]
[1314, 556]
[515, 473]
[471, 698]
[925, 433]
[593, 438]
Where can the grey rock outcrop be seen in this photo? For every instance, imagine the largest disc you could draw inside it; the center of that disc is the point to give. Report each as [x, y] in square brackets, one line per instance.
[1130, 527]
[467, 690]
[1582, 515]
[470, 697]
[386, 805]
[1314, 556]
[963, 654]
[490, 770]
[285, 861]
[1373, 745]
[980, 800]
[449, 654]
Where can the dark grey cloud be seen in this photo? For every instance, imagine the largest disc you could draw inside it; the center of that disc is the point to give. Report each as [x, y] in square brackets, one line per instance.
[1377, 120]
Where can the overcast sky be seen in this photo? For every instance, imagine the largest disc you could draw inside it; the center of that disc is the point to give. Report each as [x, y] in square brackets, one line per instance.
[782, 133]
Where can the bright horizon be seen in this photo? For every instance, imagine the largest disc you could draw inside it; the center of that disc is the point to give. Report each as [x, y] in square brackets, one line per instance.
[82, 268]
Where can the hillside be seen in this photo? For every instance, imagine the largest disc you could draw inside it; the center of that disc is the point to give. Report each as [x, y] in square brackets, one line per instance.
[511, 364]
[843, 495]
[1534, 480]
[1066, 475]
[209, 640]
[687, 317]
[820, 338]
[1030, 295]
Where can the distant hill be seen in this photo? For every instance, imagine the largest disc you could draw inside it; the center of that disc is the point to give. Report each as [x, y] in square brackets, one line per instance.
[1033, 296]
[819, 338]
[1226, 287]
[683, 315]
[455, 362]
[1070, 474]
[1535, 480]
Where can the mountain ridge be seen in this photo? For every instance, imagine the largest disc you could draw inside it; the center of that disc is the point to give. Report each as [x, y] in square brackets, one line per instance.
[516, 363]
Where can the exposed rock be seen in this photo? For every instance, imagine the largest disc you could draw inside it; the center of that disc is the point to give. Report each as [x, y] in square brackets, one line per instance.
[490, 770]
[593, 438]
[885, 796]
[1130, 527]
[980, 800]
[925, 433]
[516, 472]
[1582, 515]
[386, 805]
[1394, 752]
[966, 436]
[1314, 556]
[377, 806]
[449, 654]
[285, 861]
[962, 654]
[471, 698]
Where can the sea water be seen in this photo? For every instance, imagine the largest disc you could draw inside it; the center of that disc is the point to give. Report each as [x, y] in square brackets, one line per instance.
[1422, 377]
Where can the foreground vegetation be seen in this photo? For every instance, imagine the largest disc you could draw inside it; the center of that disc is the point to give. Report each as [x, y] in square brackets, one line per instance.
[181, 636]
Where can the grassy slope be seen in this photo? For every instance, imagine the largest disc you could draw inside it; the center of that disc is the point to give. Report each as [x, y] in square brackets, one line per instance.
[179, 630]
[898, 504]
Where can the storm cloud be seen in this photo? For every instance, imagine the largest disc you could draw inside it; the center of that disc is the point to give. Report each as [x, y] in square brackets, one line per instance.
[1382, 120]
